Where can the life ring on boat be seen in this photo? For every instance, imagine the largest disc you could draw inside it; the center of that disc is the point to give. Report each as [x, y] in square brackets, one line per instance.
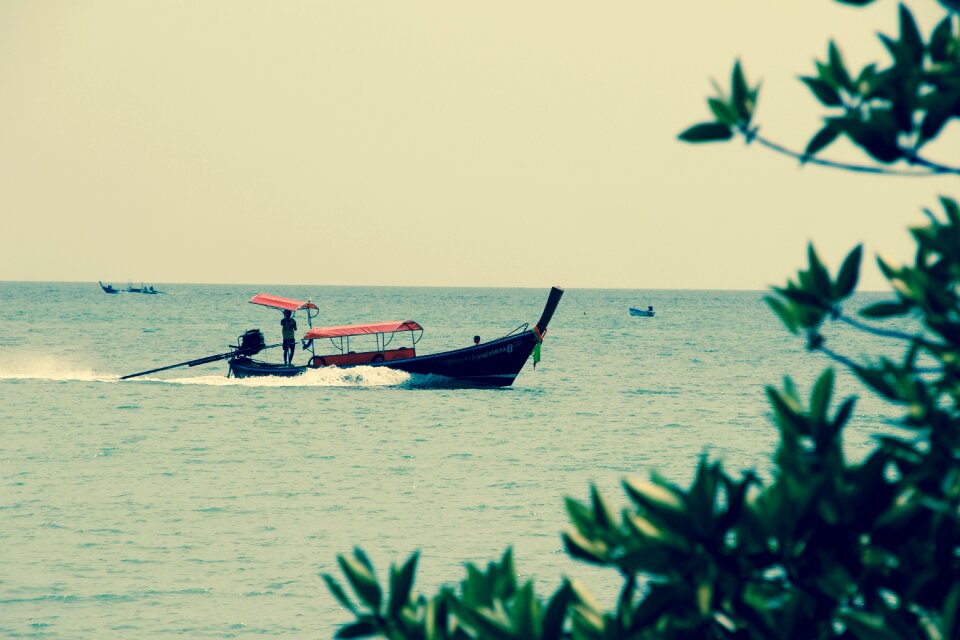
[318, 361]
[377, 358]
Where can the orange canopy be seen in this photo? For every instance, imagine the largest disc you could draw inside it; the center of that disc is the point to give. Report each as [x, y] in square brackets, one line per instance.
[362, 329]
[278, 302]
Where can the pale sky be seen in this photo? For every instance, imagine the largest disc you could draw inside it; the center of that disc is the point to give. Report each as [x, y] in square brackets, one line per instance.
[517, 144]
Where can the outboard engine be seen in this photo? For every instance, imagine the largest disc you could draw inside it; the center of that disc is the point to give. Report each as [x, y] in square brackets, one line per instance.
[251, 342]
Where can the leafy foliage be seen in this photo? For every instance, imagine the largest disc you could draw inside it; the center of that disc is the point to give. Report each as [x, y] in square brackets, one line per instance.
[891, 111]
[489, 604]
[828, 548]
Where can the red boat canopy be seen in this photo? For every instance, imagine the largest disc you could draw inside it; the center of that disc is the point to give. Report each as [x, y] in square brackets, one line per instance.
[277, 302]
[362, 329]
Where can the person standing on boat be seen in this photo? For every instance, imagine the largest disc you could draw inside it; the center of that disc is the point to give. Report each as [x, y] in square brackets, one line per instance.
[288, 326]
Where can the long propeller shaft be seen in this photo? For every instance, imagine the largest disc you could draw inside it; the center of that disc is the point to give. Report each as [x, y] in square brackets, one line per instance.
[193, 363]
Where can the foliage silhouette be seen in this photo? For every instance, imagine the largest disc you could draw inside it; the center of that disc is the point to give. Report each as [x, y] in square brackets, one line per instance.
[828, 548]
[890, 112]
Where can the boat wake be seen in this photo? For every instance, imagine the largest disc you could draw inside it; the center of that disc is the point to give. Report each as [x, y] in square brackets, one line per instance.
[55, 369]
[49, 368]
[325, 377]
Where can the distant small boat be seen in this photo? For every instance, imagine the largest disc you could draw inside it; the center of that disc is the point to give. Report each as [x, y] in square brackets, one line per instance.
[109, 288]
[142, 289]
[649, 313]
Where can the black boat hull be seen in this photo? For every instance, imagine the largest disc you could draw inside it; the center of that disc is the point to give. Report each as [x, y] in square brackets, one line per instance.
[494, 364]
[243, 367]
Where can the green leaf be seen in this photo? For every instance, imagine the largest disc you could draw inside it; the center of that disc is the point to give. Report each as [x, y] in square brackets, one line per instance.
[953, 210]
[401, 582]
[525, 612]
[877, 137]
[578, 546]
[722, 111]
[849, 273]
[653, 495]
[477, 589]
[357, 630]
[492, 625]
[800, 296]
[643, 527]
[951, 612]
[820, 398]
[656, 559]
[940, 40]
[556, 613]
[736, 493]
[580, 516]
[740, 97]
[359, 554]
[875, 379]
[703, 496]
[892, 46]
[362, 580]
[826, 94]
[949, 330]
[889, 272]
[940, 108]
[837, 68]
[821, 140]
[910, 39]
[788, 415]
[885, 310]
[787, 314]
[707, 132]
[659, 600]
[869, 626]
[865, 79]
[821, 277]
[844, 413]
[580, 595]
[601, 512]
[504, 575]
[339, 593]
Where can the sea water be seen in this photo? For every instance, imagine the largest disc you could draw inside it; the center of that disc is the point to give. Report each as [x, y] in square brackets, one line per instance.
[187, 504]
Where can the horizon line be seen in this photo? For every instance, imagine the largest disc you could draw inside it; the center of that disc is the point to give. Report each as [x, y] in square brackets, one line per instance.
[411, 286]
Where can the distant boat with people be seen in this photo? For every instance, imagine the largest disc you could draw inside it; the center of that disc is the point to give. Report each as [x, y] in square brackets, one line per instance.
[149, 290]
[648, 313]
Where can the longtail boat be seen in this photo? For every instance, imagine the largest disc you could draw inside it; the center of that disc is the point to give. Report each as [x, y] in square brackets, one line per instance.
[149, 290]
[490, 364]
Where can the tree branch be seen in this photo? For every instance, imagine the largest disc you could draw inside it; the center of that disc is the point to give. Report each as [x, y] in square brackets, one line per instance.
[836, 357]
[877, 331]
[933, 168]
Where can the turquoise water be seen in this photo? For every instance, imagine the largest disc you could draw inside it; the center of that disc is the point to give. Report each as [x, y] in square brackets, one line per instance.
[186, 504]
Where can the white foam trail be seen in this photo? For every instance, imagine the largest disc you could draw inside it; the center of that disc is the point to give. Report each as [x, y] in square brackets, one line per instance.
[27, 367]
[323, 377]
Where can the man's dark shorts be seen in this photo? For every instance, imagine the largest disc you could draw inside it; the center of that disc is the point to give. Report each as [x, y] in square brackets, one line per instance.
[289, 343]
